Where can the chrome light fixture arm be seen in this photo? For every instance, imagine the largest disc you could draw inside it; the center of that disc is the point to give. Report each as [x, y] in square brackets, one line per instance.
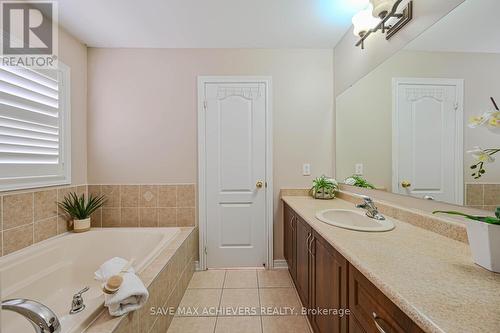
[403, 18]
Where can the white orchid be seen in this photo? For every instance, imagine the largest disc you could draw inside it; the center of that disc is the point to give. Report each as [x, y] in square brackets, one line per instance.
[481, 155]
[490, 119]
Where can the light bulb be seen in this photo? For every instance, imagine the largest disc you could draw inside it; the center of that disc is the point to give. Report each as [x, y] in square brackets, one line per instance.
[381, 7]
[364, 21]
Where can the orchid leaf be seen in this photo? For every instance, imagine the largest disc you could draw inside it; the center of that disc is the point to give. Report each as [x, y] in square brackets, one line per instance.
[485, 219]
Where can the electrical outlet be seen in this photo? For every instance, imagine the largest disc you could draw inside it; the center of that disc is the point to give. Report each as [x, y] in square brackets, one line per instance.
[306, 169]
[358, 169]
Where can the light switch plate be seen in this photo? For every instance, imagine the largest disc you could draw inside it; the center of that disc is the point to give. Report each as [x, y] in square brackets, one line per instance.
[306, 169]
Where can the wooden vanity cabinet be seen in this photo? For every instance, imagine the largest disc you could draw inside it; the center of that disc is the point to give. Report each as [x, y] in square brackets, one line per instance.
[324, 279]
[328, 287]
[304, 235]
[289, 239]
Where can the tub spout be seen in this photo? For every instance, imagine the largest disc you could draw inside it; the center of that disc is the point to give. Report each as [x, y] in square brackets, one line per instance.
[43, 319]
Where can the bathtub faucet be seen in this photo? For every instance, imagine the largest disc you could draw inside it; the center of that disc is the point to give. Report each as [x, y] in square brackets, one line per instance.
[43, 319]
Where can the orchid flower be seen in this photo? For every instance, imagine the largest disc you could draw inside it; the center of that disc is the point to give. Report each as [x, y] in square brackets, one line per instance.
[481, 155]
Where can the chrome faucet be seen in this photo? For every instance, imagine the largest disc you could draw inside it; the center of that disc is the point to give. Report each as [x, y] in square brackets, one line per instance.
[77, 304]
[371, 209]
[40, 316]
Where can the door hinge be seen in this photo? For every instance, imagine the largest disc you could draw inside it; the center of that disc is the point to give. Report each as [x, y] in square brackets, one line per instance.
[456, 106]
[205, 105]
[206, 252]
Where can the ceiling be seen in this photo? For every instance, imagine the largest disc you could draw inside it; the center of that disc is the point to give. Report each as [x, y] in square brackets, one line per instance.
[472, 27]
[208, 23]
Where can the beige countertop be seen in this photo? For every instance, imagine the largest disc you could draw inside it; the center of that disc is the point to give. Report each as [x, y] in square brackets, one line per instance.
[430, 277]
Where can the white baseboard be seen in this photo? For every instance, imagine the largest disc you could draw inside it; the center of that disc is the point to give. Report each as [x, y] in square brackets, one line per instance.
[280, 264]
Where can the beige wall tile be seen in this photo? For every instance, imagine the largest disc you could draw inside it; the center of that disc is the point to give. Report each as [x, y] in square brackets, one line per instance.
[490, 208]
[1, 243]
[149, 196]
[45, 204]
[45, 229]
[96, 219]
[129, 217]
[167, 217]
[82, 189]
[186, 195]
[17, 210]
[474, 194]
[185, 217]
[167, 196]
[112, 193]
[111, 217]
[129, 195]
[492, 195]
[148, 217]
[62, 193]
[95, 190]
[64, 224]
[17, 238]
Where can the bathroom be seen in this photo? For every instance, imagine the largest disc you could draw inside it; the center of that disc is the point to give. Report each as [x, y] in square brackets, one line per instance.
[365, 198]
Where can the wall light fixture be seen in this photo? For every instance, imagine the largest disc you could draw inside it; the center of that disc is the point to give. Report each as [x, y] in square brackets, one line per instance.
[381, 15]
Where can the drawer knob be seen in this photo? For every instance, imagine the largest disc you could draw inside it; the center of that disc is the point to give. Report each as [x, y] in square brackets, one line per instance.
[381, 324]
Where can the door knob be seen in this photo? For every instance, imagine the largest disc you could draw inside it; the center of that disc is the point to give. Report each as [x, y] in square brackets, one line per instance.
[405, 184]
[259, 184]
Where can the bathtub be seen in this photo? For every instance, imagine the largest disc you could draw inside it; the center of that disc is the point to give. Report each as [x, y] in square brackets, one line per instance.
[53, 270]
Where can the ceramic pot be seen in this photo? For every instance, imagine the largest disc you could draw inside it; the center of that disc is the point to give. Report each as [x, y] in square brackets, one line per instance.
[81, 225]
[484, 241]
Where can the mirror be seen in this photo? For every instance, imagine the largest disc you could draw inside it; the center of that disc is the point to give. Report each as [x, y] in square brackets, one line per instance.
[414, 124]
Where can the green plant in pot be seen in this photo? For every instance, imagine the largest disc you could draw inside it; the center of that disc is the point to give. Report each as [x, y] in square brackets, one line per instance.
[483, 233]
[80, 209]
[324, 188]
[358, 181]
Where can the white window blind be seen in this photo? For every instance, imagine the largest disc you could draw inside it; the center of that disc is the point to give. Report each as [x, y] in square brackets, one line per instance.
[34, 127]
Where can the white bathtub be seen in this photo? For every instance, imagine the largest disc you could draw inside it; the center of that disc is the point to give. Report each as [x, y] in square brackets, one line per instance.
[52, 271]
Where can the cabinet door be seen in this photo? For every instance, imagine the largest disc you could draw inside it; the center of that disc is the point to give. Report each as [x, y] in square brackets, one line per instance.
[289, 240]
[302, 280]
[328, 287]
[355, 326]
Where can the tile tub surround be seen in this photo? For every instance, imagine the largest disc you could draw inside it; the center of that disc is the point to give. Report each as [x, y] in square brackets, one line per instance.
[166, 278]
[30, 216]
[145, 205]
[431, 278]
[482, 196]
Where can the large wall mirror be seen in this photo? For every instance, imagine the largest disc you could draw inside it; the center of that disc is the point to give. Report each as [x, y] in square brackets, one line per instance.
[424, 123]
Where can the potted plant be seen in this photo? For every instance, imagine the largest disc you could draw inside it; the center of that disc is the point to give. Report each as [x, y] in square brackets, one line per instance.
[80, 209]
[324, 188]
[483, 233]
[358, 181]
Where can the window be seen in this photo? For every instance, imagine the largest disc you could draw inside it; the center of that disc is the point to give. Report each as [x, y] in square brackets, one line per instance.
[34, 128]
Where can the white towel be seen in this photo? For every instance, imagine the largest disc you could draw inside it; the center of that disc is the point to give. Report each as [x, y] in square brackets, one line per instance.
[132, 294]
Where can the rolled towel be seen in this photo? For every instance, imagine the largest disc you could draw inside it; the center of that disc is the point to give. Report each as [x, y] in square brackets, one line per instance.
[132, 294]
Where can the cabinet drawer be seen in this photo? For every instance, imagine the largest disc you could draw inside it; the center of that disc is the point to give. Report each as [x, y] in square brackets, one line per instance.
[374, 311]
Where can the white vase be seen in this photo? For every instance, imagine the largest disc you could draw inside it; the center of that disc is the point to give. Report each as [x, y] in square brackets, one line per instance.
[484, 241]
[81, 225]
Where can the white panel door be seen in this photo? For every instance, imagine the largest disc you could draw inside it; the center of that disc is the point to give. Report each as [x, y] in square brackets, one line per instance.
[428, 148]
[235, 136]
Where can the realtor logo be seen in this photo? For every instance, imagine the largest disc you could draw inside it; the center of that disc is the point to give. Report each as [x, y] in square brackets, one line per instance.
[29, 31]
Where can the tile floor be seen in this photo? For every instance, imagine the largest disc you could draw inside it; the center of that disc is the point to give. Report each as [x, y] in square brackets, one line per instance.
[240, 301]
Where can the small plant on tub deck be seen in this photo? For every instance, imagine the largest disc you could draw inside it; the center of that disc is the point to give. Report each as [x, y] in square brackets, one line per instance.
[324, 188]
[80, 209]
[483, 233]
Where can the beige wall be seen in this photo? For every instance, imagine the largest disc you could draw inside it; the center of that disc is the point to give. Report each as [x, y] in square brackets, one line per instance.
[142, 125]
[352, 63]
[74, 54]
[366, 110]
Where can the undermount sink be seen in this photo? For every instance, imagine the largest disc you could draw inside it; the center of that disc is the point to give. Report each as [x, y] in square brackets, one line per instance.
[354, 220]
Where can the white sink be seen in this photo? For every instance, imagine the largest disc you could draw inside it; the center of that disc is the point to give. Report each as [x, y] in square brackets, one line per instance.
[354, 220]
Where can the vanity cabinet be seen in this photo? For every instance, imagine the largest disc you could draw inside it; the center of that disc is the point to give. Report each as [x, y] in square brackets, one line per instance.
[325, 280]
[289, 238]
[328, 287]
